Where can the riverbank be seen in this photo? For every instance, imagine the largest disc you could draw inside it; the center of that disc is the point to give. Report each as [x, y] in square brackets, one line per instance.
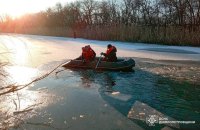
[160, 35]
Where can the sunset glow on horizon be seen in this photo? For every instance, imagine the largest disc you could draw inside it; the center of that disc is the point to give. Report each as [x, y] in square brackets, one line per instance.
[17, 8]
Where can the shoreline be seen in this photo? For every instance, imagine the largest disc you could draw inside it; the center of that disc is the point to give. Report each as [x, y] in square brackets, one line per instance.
[129, 42]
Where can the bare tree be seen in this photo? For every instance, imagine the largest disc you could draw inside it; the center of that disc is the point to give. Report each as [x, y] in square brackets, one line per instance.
[88, 7]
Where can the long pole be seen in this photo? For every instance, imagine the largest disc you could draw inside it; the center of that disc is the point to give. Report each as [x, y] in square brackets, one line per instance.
[98, 62]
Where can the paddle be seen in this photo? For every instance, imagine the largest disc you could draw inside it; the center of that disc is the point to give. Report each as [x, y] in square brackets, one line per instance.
[98, 62]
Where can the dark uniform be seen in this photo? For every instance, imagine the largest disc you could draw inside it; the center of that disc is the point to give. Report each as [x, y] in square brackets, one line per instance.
[110, 54]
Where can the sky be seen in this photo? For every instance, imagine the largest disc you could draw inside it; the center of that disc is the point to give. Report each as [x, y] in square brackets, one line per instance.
[17, 8]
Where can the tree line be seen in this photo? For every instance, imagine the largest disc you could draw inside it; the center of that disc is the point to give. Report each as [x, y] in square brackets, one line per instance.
[174, 22]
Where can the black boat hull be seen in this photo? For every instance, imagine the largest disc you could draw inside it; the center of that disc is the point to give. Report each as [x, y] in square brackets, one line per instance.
[120, 65]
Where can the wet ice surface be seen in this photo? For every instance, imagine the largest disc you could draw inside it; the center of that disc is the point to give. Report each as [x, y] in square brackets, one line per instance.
[86, 99]
[170, 50]
[81, 93]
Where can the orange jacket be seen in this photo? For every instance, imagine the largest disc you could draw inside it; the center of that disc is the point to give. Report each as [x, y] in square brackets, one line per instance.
[88, 54]
[109, 50]
[110, 54]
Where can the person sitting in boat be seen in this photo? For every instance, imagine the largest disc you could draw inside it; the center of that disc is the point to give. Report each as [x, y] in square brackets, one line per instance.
[88, 54]
[110, 54]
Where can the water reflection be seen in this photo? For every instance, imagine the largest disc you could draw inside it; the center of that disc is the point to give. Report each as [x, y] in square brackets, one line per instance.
[121, 90]
[89, 77]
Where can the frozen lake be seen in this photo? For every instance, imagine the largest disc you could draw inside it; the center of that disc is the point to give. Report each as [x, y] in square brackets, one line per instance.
[165, 82]
[31, 50]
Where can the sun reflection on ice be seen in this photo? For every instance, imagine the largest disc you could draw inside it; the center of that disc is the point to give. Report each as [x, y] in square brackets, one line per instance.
[21, 55]
[17, 51]
[22, 104]
[21, 75]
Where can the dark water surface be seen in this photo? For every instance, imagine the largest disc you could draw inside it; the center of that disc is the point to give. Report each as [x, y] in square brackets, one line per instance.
[80, 93]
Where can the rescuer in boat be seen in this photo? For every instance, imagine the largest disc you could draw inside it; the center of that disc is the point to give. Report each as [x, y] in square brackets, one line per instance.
[110, 54]
[88, 54]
